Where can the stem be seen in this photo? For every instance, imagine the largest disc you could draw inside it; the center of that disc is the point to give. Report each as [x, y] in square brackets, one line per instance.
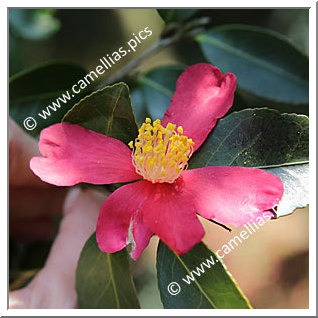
[171, 34]
[160, 44]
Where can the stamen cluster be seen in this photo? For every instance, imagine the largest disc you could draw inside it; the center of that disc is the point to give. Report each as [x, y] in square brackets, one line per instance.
[160, 153]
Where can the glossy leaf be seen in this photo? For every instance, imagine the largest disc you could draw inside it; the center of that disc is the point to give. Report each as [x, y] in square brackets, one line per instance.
[213, 288]
[176, 15]
[107, 111]
[104, 280]
[255, 138]
[245, 99]
[263, 138]
[265, 63]
[296, 187]
[31, 91]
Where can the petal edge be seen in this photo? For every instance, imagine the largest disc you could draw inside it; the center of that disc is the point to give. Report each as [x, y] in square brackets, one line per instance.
[73, 154]
[202, 96]
[234, 195]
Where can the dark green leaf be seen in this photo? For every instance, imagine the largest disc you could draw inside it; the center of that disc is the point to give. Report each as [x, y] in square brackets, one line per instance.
[107, 111]
[265, 63]
[188, 52]
[45, 79]
[157, 88]
[263, 138]
[294, 24]
[33, 24]
[296, 187]
[244, 99]
[213, 288]
[176, 15]
[226, 16]
[31, 91]
[255, 138]
[104, 280]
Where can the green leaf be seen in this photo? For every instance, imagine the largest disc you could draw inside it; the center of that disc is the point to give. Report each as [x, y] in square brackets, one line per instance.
[157, 88]
[294, 24]
[176, 15]
[47, 78]
[188, 52]
[107, 111]
[138, 103]
[265, 63]
[255, 138]
[31, 91]
[296, 189]
[213, 288]
[263, 138]
[244, 100]
[104, 280]
[33, 24]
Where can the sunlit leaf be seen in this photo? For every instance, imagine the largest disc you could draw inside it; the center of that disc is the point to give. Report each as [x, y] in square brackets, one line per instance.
[263, 138]
[258, 137]
[296, 187]
[212, 288]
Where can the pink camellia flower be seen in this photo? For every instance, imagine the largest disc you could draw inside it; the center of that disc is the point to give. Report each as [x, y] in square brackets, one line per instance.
[166, 201]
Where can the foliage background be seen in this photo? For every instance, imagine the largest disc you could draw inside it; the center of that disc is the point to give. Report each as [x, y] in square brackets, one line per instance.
[272, 267]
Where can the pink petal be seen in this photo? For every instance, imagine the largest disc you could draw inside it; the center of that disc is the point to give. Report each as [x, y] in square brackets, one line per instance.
[141, 235]
[170, 214]
[120, 221]
[202, 96]
[73, 154]
[233, 195]
[143, 208]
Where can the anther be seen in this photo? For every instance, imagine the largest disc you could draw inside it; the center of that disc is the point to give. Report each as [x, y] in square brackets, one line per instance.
[160, 154]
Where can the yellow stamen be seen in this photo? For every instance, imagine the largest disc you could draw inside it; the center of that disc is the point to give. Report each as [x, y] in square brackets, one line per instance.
[160, 154]
[180, 130]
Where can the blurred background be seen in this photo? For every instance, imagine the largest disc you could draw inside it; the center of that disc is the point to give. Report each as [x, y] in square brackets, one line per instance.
[42, 35]
[271, 267]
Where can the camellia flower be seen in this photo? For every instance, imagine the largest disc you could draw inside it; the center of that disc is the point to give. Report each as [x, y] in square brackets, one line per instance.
[166, 200]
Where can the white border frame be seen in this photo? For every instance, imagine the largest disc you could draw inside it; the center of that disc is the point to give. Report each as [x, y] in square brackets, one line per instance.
[164, 312]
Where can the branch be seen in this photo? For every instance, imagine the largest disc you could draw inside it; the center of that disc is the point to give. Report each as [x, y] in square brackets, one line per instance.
[171, 34]
[155, 48]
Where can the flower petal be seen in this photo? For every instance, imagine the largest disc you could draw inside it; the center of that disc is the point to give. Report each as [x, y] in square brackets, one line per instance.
[170, 214]
[140, 235]
[73, 154]
[120, 221]
[202, 96]
[233, 195]
[135, 211]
